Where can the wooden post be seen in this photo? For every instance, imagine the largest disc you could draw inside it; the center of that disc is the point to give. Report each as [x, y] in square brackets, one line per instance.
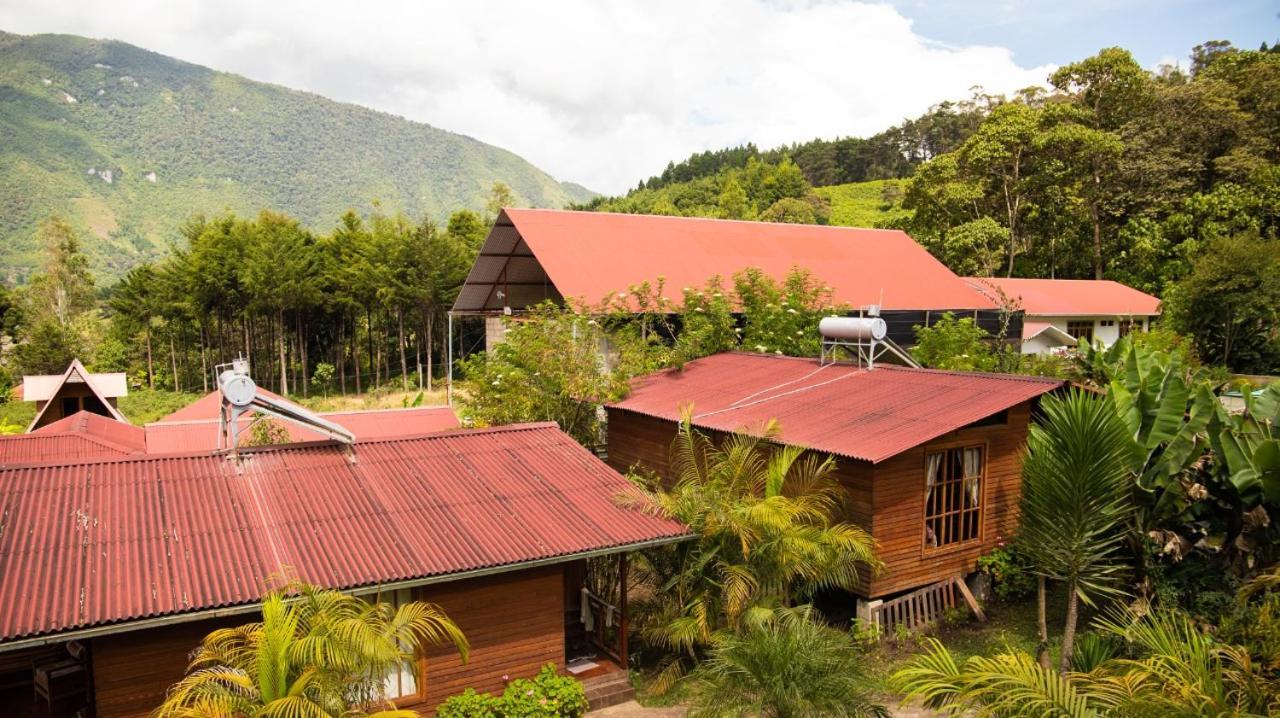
[623, 626]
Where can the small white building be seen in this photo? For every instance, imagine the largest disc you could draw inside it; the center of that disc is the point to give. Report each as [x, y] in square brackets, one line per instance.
[1058, 313]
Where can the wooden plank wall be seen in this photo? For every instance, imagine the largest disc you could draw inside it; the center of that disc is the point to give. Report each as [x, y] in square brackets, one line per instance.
[898, 498]
[132, 671]
[636, 440]
[514, 621]
[515, 624]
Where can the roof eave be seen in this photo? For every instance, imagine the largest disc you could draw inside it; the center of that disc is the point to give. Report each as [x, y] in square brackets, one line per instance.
[243, 608]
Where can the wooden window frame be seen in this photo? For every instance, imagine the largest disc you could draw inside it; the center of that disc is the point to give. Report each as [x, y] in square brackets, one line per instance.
[419, 664]
[983, 495]
[1078, 322]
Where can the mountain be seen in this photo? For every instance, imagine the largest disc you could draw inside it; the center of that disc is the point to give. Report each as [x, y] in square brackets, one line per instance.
[127, 144]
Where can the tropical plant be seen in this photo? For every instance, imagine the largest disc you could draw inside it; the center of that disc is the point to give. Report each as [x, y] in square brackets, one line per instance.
[1178, 671]
[316, 652]
[787, 666]
[764, 517]
[547, 695]
[1076, 504]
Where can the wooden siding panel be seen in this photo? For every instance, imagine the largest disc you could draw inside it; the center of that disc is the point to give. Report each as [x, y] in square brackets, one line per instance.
[898, 522]
[639, 441]
[132, 671]
[514, 622]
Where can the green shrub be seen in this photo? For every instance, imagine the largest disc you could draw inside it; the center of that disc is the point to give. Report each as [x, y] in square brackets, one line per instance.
[470, 705]
[1010, 573]
[547, 695]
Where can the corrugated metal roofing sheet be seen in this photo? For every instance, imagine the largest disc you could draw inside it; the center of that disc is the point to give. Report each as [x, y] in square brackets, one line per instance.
[202, 434]
[1071, 297]
[533, 254]
[112, 541]
[837, 408]
[83, 435]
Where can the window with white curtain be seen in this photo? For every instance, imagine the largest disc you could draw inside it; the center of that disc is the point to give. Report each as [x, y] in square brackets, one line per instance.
[953, 496]
[403, 682]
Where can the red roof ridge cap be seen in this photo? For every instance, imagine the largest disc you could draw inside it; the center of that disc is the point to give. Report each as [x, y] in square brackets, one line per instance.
[836, 227]
[979, 374]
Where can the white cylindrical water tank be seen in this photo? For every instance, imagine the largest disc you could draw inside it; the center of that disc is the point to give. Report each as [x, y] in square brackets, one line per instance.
[852, 328]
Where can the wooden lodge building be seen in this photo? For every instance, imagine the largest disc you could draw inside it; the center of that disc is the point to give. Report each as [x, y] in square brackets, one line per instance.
[535, 255]
[114, 566]
[930, 460]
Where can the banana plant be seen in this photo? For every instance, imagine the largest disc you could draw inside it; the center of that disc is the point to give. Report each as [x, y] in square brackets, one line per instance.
[1167, 409]
[1248, 448]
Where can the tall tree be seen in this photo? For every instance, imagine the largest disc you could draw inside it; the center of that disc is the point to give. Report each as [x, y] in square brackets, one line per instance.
[1076, 504]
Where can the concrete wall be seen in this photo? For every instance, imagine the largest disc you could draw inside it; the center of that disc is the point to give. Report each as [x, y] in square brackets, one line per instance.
[1105, 328]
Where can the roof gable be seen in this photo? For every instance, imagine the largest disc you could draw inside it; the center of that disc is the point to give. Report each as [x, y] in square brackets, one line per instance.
[534, 254]
[837, 408]
[75, 373]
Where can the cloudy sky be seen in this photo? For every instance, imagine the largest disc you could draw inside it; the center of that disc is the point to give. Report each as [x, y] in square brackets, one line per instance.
[606, 93]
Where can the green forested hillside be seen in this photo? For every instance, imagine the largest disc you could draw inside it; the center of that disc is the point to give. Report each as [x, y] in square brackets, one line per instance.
[127, 144]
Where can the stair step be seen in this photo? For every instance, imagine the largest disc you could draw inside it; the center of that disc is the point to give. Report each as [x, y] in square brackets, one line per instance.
[596, 701]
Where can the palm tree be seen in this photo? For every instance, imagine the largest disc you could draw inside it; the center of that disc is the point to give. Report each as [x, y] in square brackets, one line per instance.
[1176, 671]
[1076, 502]
[790, 666]
[315, 653]
[767, 534]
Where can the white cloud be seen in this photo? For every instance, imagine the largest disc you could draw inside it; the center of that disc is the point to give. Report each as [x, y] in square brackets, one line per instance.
[598, 93]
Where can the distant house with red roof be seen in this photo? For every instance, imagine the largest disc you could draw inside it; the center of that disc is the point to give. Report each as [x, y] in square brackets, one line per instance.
[1060, 312]
[535, 255]
[930, 460]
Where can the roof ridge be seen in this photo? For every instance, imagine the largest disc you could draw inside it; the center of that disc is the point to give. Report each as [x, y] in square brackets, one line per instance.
[981, 374]
[835, 227]
[291, 446]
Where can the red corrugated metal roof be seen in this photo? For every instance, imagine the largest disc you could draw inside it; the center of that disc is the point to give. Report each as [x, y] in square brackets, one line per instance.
[83, 435]
[202, 434]
[206, 407]
[837, 408]
[590, 255]
[86, 544]
[1072, 297]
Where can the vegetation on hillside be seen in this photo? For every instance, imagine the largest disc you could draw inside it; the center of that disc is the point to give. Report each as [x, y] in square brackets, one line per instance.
[127, 144]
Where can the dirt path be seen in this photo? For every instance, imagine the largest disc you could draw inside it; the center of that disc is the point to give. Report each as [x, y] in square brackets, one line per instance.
[631, 709]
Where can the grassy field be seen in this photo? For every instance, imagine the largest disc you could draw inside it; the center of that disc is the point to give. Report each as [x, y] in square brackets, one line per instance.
[865, 204]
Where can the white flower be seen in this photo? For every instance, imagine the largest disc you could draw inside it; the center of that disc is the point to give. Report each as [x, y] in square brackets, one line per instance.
[792, 311]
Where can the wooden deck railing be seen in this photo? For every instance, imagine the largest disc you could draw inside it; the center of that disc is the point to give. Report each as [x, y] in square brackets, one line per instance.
[919, 608]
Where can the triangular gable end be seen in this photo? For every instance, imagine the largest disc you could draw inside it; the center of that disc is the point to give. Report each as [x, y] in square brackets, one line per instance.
[505, 274]
[76, 373]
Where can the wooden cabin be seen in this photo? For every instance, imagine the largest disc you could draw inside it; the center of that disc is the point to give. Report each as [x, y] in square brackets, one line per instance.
[58, 396]
[930, 460]
[510, 530]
